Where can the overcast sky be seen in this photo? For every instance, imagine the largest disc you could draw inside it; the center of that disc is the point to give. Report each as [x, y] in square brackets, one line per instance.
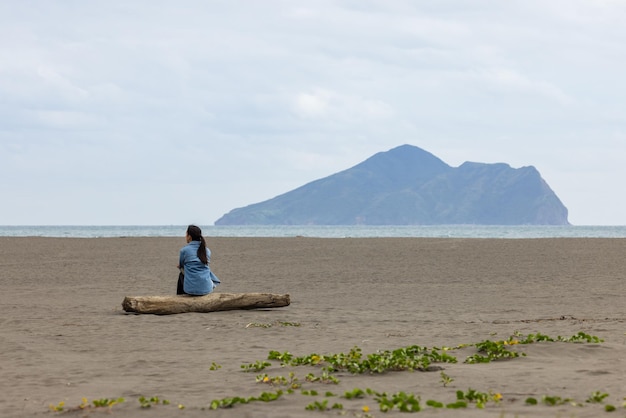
[161, 112]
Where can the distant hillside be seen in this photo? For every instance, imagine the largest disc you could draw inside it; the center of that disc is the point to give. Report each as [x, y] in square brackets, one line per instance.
[409, 186]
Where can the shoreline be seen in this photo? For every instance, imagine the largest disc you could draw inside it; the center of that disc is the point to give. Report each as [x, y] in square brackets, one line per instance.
[325, 231]
[66, 337]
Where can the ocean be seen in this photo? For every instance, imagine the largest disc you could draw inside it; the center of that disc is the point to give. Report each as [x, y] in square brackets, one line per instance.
[358, 231]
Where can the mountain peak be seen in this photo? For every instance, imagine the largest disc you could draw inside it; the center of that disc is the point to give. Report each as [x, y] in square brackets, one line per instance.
[405, 163]
[410, 186]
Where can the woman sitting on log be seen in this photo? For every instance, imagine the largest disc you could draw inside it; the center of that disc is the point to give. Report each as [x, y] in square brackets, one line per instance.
[196, 277]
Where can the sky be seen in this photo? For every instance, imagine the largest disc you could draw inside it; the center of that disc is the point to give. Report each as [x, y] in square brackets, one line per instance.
[153, 112]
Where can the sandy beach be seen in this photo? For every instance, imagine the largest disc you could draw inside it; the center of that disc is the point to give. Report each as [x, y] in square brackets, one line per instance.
[65, 337]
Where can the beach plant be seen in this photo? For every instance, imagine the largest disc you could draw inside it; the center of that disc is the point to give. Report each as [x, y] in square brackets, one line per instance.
[232, 401]
[326, 377]
[264, 378]
[531, 338]
[322, 406]
[292, 381]
[597, 397]
[445, 379]
[268, 396]
[317, 406]
[105, 402]
[154, 400]
[457, 405]
[582, 337]
[403, 402]
[479, 398]
[406, 358]
[434, 404]
[491, 350]
[228, 402]
[257, 366]
[284, 358]
[288, 359]
[552, 400]
[341, 361]
[96, 403]
[413, 357]
[357, 393]
[539, 337]
[60, 407]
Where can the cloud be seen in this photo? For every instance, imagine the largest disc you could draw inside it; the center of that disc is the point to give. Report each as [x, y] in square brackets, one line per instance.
[507, 80]
[59, 119]
[327, 104]
[313, 104]
[238, 102]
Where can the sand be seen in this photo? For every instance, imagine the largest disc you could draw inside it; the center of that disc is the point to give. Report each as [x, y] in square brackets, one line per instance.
[64, 335]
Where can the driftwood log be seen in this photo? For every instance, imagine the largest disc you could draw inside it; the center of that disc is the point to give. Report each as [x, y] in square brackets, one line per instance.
[166, 305]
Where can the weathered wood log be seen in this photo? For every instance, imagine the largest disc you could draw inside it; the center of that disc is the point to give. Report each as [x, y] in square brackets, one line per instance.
[213, 302]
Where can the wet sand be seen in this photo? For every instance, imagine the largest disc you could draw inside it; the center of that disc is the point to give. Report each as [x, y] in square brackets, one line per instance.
[64, 335]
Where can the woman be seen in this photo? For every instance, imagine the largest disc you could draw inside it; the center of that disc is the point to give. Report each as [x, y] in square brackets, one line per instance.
[196, 277]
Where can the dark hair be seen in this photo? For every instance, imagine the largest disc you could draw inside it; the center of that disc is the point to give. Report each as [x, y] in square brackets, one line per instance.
[196, 235]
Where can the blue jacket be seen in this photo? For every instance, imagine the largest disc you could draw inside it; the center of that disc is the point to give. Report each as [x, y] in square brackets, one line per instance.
[199, 279]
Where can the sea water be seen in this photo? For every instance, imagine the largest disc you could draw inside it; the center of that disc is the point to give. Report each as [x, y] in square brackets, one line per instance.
[354, 231]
